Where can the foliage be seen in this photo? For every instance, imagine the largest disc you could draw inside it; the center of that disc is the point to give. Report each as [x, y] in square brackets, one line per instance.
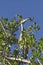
[8, 36]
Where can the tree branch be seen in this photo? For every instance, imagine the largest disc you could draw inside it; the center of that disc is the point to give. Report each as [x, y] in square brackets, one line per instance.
[22, 60]
[39, 61]
[8, 62]
[19, 59]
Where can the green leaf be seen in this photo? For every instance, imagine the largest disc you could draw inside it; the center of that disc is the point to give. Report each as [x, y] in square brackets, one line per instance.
[1, 41]
[16, 52]
[41, 46]
[19, 16]
[0, 25]
[16, 63]
[36, 27]
[32, 58]
[5, 19]
[30, 29]
[36, 53]
[1, 47]
[31, 19]
[22, 42]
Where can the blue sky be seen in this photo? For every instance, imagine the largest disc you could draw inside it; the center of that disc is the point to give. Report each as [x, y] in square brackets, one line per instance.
[27, 8]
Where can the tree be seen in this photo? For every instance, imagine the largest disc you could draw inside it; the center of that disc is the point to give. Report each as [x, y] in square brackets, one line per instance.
[27, 41]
